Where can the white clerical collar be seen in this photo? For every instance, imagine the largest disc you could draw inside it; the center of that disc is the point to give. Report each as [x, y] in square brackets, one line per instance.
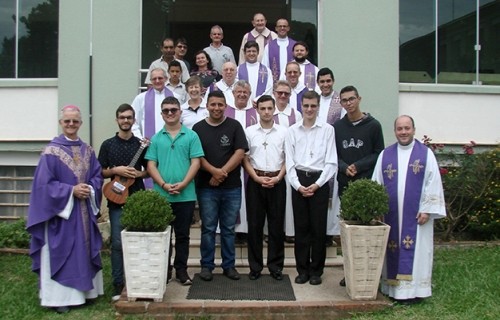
[284, 40]
[264, 33]
[407, 147]
[299, 87]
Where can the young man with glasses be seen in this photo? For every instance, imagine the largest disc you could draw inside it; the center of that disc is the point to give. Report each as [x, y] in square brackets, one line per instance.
[311, 161]
[181, 48]
[173, 161]
[115, 156]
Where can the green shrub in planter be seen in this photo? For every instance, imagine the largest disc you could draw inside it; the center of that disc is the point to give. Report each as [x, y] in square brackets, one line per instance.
[364, 200]
[146, 211]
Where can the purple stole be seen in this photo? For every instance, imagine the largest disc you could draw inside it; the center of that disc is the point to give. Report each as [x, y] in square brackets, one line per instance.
[291, 118]
[400, 254]
[274, 56]
[250, 115]
[266, 39]
[335, 110]
[309, 76]
[299, 98]
[149, 111]
[261, 79]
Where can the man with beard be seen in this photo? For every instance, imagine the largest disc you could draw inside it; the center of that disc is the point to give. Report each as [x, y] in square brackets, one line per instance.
[115, 157]
[260, 34]
[308, 70]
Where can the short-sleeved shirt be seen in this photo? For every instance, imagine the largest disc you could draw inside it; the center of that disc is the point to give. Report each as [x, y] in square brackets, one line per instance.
[173, 157]
[219, 144]
[116, 152]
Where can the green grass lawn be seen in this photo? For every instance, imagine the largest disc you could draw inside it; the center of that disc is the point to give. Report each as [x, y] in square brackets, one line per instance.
[466, 286]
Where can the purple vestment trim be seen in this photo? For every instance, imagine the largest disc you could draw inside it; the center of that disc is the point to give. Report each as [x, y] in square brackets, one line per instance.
[299, 99]
[400, 253]
[335, 109]
[266, 39]
[291, 118]
[274, 56]
[261, 78]
[250, 115]
[150, 112]
[309, 76]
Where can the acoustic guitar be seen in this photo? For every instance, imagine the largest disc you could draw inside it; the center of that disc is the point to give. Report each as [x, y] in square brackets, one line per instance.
[117, 189]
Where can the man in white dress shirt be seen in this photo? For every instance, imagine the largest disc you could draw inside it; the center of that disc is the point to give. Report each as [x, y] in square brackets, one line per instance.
[258, 75]
[147, 106]
[218, 52]
[311, 161]
[279, 51]
[410, 173]
[260, 33]
[265, 190]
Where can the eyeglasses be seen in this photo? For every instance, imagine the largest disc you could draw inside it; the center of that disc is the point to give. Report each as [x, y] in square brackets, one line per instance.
[68, 121]
[346, 101]
[281, 26]
[171, 110]
[157, 79]
[182, 46]
[129, 118]
[307, 106]
[282, 93]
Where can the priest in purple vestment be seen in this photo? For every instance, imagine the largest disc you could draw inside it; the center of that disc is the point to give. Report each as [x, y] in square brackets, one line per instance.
[410, 173]
[62, 218]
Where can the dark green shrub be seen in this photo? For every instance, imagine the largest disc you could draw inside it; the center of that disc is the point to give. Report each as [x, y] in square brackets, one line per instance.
[364, 200]
[14, 234]
[146, 211]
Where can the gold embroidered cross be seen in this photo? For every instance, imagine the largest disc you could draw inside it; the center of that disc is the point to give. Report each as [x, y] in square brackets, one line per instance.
[263, 73]
[390, 172]
[416, 166]
[408, 242]
[392, 245]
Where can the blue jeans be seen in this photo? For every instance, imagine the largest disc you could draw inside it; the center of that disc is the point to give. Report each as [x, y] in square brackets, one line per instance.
[116, 246]
[218, 206]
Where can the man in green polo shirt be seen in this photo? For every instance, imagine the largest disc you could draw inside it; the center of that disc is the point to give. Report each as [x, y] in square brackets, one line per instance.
[173, 161]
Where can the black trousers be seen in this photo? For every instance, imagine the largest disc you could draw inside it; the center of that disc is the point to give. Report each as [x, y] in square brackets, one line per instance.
[262, 202]
[310, 218]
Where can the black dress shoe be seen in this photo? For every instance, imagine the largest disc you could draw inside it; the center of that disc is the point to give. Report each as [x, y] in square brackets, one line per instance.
[61, 310]
[342, 282]
[301, 278]
[277, 275]
[254, 275]
[289, 239]
[315, 280]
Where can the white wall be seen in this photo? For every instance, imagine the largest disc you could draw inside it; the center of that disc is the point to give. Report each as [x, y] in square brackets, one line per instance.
[28, 113]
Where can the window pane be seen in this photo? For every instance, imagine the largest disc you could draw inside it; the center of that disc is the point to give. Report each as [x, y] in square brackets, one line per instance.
[489, 57]
[38, 38]
[456, 39]
[7, 38]
[417, 41]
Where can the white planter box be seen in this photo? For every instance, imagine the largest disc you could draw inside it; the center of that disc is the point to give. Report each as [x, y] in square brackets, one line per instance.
[145, 256]
[363, 250]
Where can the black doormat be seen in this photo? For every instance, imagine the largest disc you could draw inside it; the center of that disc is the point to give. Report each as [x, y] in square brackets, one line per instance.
[223, 288]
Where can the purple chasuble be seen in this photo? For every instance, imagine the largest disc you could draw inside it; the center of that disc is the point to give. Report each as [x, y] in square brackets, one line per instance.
[261, 79]
[309, 76]
[266, 39]
[291, 118]
[74, 244]
[400, 253]
[150, 112]
[335, 110]
[250, 115]
[274, 56]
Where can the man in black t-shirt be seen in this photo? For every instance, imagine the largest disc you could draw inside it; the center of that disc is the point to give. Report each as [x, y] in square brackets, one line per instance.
[116, 156]
[219, 184]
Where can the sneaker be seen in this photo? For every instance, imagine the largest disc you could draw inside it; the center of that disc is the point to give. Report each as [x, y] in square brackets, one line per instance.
[232, 274]
[206, 274]
[117, 292]
[183, 277]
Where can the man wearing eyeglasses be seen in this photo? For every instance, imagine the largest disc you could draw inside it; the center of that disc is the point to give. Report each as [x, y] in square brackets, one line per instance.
[292, 74]
[173, 161]
[279, 51]
[115, 157]
[147, 106]
[311, 161]
[181, 48]
[168, 55]
[218, 52]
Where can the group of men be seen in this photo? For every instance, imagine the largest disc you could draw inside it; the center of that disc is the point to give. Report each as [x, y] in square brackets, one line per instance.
[267, 147]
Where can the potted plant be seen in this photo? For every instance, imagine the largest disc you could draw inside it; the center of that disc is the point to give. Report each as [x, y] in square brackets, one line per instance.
[146, 221]
[364, 237]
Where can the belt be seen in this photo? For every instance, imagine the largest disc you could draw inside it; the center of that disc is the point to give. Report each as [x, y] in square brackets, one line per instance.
[270, 174]
[308, 173]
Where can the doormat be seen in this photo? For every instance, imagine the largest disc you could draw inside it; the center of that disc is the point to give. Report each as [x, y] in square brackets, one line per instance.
[223, 288]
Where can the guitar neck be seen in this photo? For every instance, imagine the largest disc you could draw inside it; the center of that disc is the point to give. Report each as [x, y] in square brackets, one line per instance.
[137, 155]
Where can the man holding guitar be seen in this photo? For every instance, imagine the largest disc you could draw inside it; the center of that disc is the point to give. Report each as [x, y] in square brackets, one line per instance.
[122, 160]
